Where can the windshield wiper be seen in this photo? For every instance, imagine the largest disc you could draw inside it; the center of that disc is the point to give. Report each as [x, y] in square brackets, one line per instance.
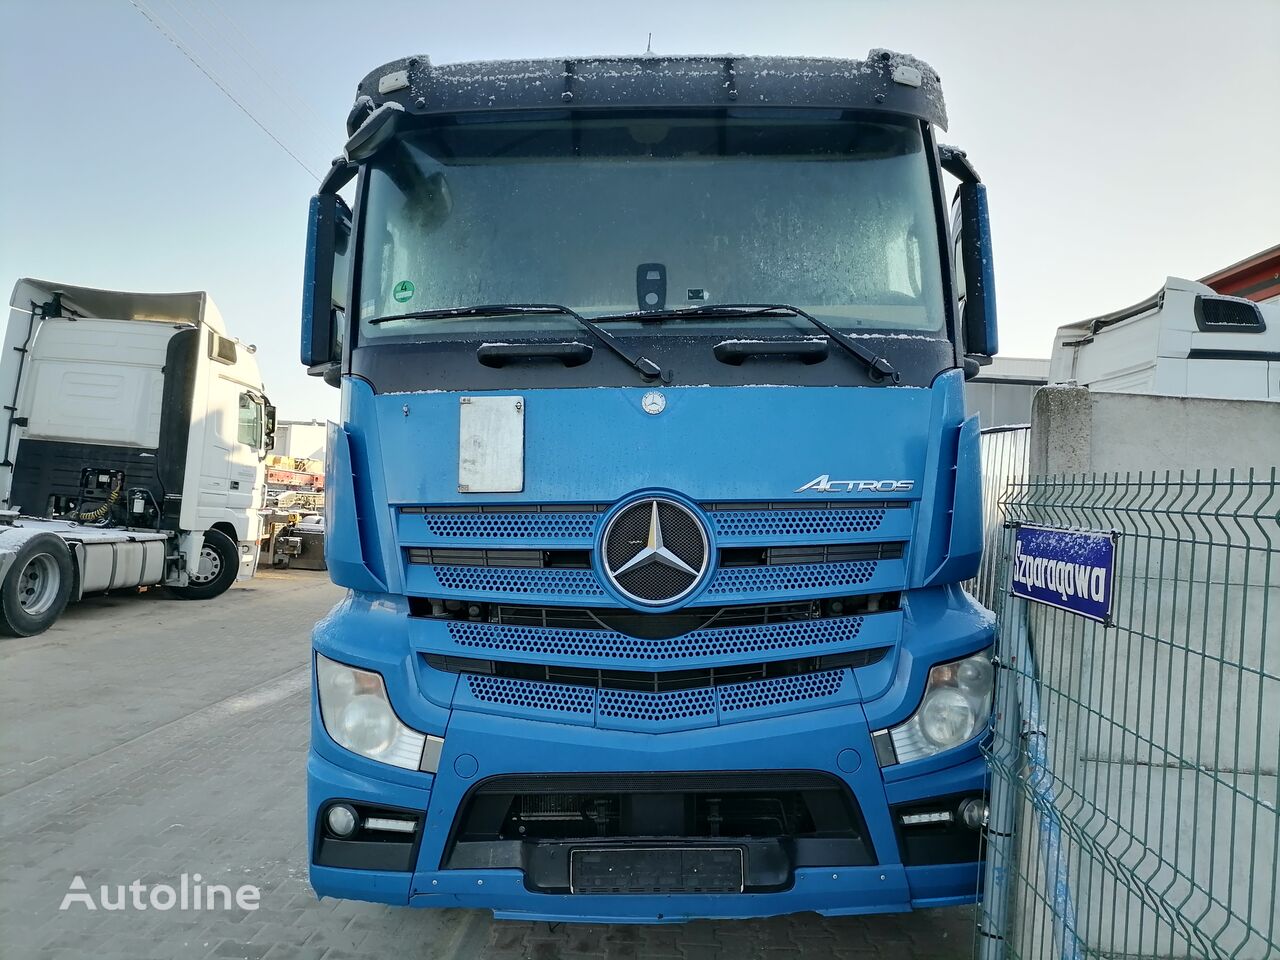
[876, 365]
[647, 368]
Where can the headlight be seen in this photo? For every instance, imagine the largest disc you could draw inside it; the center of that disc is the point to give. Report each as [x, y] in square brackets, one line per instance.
[954, 709]
[358, 715]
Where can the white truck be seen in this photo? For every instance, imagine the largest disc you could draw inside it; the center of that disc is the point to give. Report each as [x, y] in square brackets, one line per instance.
[1185, 341]
[137, 431]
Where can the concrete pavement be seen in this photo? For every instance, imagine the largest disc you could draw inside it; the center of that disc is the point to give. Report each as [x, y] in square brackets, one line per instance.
[144, 738]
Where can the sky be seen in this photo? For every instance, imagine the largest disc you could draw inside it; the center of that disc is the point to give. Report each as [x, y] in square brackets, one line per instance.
[1122, 142]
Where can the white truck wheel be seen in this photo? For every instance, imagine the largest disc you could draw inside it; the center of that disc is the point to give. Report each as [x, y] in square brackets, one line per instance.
[36, 587]
[215, 571]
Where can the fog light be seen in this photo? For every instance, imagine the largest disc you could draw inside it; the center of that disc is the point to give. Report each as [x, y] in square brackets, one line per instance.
[974, 813]
[341, 820]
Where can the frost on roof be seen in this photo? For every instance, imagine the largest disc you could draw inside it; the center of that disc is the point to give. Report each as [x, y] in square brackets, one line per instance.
[722, 79]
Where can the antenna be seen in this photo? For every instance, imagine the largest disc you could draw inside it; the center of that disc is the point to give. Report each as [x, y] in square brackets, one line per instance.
[648, 47]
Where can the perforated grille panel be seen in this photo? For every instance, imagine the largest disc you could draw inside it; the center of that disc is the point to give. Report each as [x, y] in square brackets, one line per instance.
[799, 576]
[582, 583]
[557, 697]
[619, 646]
[657, 707]
[515, 580]
[512, 526]
[771, 693]
[793, 523]
[646, 707]
[581, 524]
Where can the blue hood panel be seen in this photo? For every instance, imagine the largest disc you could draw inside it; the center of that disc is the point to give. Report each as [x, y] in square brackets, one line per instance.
[710, 443]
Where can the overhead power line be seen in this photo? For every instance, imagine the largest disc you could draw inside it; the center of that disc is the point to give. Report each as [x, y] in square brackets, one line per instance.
[156, 21]
[222, 56]
[282, 88]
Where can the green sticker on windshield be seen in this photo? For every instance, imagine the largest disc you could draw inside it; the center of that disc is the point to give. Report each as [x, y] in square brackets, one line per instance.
[403, 291]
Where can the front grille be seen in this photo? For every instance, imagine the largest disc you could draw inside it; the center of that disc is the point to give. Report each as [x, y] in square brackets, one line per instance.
[664, 681]
[726, 641]
[509, 523]
[488, 618]
[809, 553]
[710, 781]
[540, 807]
[520, 582]
[581, 559]
[574, 703]
[780, 820]
[771, 693]
[766, 551]
[461, 557]
[783, 578]
[730, 520]
[817, 518]
[674, 705]
[532, 696]
[748, 583]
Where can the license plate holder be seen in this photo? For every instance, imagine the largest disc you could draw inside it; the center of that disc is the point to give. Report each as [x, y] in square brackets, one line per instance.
[656, 870]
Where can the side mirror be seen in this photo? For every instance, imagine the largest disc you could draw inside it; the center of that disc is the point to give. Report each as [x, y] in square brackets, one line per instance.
[979, 322]
[269, 429]
[374, 133]
[325, 283]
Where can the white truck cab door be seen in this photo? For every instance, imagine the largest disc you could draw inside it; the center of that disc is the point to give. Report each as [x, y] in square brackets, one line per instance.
[232, 463]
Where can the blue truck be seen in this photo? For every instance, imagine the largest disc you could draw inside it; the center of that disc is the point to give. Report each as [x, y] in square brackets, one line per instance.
[653, 491]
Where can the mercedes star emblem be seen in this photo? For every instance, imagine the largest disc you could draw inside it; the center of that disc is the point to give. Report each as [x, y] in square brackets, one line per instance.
[655, 551]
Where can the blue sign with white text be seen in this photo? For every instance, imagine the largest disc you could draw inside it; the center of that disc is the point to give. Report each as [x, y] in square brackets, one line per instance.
[1068, 569]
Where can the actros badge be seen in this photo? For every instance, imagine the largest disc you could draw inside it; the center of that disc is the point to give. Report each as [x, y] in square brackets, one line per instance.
[824, 484]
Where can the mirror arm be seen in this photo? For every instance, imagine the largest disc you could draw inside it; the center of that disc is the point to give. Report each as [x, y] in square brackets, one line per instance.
[341, 172]
[956, 162]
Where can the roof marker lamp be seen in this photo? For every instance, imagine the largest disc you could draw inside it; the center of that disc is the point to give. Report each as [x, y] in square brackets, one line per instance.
[955, 708]
[358, 716]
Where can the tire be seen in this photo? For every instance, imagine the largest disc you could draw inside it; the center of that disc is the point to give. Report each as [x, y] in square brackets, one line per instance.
[36, 587]
[219, 563]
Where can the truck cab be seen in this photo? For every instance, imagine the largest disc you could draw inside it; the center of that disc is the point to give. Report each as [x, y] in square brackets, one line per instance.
[1186, 340]
[653, 491]
[137, 425]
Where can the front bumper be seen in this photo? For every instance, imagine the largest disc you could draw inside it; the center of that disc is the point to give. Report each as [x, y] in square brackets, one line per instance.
[819, 740]
[824, 735]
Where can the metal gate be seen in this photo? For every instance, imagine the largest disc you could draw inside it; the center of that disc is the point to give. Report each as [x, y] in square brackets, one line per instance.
[1134, 761]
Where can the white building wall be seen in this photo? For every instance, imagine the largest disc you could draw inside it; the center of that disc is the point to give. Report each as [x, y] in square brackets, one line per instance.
[1001, 392]
[300, 439]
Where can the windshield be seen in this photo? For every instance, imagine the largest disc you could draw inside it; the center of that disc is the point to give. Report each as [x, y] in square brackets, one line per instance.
[608, 216]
